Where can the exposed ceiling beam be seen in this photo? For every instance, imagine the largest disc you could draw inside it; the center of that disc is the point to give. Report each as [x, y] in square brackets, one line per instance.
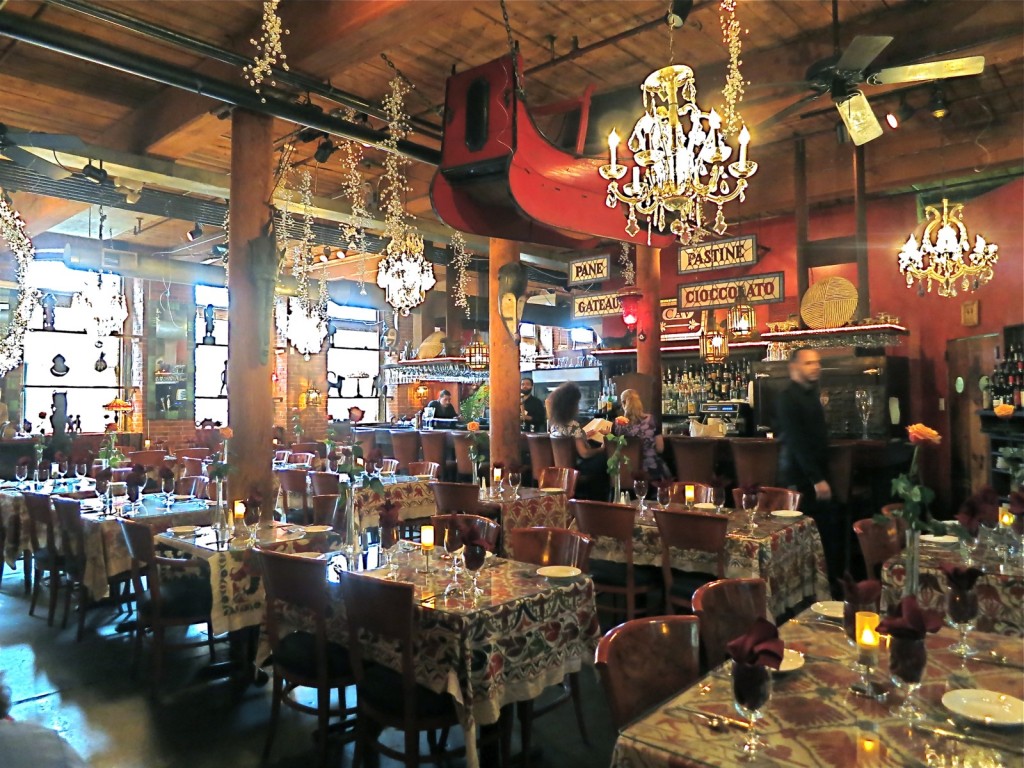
[42, 214]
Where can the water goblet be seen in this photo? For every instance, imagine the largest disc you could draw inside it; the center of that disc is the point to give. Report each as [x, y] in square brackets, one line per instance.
[907, 659]
[515, 479]
[640, 491]
[21, 472]
[388, 540]
[475, 556]
[167, 485]
[134, 492]
[664, 496]
[961, 611]
[865, 402]
[454, 546]
[718, 497]
[748, 501]
[969, 547]
[751, 690]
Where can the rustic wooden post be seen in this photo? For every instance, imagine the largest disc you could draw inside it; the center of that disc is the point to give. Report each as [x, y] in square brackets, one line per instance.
[504, 381]
[648, 351]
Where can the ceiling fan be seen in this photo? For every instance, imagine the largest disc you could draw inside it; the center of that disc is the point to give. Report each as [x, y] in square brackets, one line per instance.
[840, 75]
[13, 146]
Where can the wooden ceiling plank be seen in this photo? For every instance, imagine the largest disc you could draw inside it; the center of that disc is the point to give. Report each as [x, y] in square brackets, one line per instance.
[44, 213]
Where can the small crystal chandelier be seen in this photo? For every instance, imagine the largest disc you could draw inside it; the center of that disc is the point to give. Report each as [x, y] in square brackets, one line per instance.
[102, 303]
[303, 323]
[404, 274]
[944, 256]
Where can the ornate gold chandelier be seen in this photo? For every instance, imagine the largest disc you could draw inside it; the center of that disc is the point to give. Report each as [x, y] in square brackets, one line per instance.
[681, 161]
[945, 256]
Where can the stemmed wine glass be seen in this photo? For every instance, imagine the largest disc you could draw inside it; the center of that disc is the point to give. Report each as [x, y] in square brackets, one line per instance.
[515, 479]
[748, 500]
[664, 496]
[168, 488]
[718, 497]
[21, 472]
[81, 470]
[388, 540]
[907, 659]
[454, 546]
[865, 402]
[640, 491]
[961, 611]
[474, 555]
[751, 690]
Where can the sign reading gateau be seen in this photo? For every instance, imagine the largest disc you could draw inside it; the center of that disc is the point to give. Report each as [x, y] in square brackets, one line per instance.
[735, 252]
[596, 305]
[591, 269]
[760, 289]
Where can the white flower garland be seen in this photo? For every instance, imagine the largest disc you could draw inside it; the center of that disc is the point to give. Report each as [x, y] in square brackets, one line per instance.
[15, 235]
[460, 260]
[269, 48]
[628, 270]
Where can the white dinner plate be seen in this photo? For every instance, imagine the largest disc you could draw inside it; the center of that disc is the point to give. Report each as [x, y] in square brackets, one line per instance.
[787, 513]
[704, 506]
[308, 555]
[422, 477]
[933, 539]
[317, 528]
[183, 497]
[985, 707]
[791, 661]
[551, 489]
[830, 609]
[280, 535]
[558, 572]
[183, 530]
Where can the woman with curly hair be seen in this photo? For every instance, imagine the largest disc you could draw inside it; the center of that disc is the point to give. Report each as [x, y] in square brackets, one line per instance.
[563, 405]
[635, 423]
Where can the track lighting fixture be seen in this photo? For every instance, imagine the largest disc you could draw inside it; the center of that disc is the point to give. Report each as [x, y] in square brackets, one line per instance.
[221, 250]
[94, 174]
[324, 151]
[938, 106]
[195, 233]
[902, 113]
[326, 255]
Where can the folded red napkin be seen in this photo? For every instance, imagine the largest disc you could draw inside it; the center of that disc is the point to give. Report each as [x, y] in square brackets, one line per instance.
[760, 645]
[982, 507]
[389, 512]
[471, 537]
[860, 592]
[959, 576]
[910, 621]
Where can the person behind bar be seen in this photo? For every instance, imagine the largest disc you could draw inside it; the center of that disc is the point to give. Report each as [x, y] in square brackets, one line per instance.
[532, 408]
[443, 408]
[803, 460]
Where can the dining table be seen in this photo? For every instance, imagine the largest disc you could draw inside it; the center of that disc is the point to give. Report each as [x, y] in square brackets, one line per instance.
[525, 508]
[1000, 588]
[814, 718]
[785, 551]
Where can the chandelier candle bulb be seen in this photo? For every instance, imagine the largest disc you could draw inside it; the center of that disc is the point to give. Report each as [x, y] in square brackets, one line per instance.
[744, 141]
[866, 624]
[613, 146]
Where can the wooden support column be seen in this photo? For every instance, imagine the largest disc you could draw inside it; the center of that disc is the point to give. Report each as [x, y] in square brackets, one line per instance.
[250, 401]
[504, 381]
[648, 351]
[800, 195]
[860, 212]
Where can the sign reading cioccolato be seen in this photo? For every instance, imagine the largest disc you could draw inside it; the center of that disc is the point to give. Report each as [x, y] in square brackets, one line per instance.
[590, 269]
[735, 252]
[716, 294]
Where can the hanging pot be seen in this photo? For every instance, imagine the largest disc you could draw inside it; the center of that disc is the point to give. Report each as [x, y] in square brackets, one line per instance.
[101, 364]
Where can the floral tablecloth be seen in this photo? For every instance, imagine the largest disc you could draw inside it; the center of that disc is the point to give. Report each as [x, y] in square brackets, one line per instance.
[238, 597]
[785, 552]
[813, 719]
[414, 498]
[1000, 590]
[532, 508]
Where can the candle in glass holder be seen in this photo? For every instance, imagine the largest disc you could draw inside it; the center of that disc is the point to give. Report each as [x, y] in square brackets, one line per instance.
[239, 512]
[1006, 517]
[868, 751]
[146, 443]
[427, 537]
[496, 477]
[689, 494]
[867, 638]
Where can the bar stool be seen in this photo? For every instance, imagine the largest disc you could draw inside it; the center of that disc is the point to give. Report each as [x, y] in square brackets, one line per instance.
[694, 457]
[563, 451]
[435, 449]
[756, 461]
[405, 446]
[463, 464]
[541, 455]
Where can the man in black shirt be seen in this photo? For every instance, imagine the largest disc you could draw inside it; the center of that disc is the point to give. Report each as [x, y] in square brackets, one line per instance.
[533, 415]
[443, 408]
[803, 460]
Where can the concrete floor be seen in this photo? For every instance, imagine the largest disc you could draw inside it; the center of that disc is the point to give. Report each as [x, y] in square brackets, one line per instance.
[86, 692]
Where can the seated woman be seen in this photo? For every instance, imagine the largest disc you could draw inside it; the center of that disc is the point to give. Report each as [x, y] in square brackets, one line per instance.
[563, 407]
[642, 425]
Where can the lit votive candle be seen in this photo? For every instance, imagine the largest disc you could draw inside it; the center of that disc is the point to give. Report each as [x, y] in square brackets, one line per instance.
[146, 443]
[1006, 517]
[239, 510]
[867, 638]
[689, 494]
[496, 477]
[427, 537]
[868, 751]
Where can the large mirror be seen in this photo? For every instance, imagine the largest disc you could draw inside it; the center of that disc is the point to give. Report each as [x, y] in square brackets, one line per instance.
[170, 361]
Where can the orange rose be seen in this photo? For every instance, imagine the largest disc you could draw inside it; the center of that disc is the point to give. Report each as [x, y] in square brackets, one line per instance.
[227, 433]
[473, 426]
[1004, 410]
[621, 420]
[919, 433]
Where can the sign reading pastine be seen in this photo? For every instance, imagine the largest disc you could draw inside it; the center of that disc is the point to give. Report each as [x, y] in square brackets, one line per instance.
[591, 269]
[596, 305]
[768, 288]
[735, 252]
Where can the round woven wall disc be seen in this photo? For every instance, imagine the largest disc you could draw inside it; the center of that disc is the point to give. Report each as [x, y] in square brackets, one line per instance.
[829, 303]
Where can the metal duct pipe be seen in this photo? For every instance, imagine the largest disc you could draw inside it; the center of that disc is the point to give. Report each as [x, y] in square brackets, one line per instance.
[56, 39]
[201, 47]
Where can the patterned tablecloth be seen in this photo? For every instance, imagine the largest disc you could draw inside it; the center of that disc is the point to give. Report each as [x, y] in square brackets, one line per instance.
[531, 508]
[413, 497]
[813, 719]
[238, 597]
[13, 521]
[785, 552]
[1000, 590]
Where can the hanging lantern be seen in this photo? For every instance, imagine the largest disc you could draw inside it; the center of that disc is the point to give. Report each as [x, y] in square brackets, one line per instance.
[629, 300]
[742, 318]
[714, 342]
[478, 356]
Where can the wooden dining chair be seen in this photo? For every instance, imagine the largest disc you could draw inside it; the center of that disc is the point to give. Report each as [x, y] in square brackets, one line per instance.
[294, 483]
[192, 453]
[756, 461]
[46, 558]
[694, 457]
[366, 439]
[616, 521]
[389, 466]
[486, 529]
[703, 493]
[328, 509]
[878, 543]
[324, 483]
[307, 460]
[691, 531]
[563, 451]
[72, 545]
[769, 499]
[302, 657]
[319, 450]
[895, 513]
[560, 477]
[541, 455]
[381, 611]
[456, 498]
[151, 459]
[435, 450]
[192, 467]
[726, 609]
[405, 447]
[163, 604]
[428, 468]
[645, 662]
[550, 546]
[281, 457]
[192, 485]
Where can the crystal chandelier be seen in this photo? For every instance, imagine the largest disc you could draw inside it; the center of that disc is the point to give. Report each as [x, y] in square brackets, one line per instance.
[102, 303]
[945, 256]
[403, 273]
[681, 161]
[303, 323]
